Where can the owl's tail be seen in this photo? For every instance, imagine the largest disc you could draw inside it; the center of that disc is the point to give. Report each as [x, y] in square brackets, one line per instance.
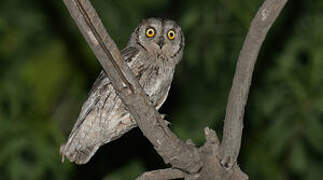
[86, 139]
[76, 153]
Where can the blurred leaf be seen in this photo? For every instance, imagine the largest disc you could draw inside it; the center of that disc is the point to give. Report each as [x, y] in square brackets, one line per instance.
[130, 171]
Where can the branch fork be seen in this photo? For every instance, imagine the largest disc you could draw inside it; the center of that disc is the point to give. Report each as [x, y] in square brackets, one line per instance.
[214, 160]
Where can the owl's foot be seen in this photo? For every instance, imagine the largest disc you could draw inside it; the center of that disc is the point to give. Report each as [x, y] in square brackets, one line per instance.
[163, 116]
[164, 124]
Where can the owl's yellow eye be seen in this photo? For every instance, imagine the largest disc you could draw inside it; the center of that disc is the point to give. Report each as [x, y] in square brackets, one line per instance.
[150, 32]
[171, 34]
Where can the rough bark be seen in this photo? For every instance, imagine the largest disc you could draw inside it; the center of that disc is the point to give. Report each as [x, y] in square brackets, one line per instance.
[186, 160]
[233, 123]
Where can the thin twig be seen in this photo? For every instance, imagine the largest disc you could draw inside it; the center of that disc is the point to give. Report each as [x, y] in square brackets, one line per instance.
[169, 147]
[162, 174]
[238, 96]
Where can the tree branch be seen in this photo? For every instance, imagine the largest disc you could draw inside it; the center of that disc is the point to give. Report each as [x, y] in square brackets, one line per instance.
[169, 147]
[238, 96]
[162, 174]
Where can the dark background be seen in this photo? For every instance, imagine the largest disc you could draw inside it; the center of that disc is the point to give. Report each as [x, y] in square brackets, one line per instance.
[47, 69]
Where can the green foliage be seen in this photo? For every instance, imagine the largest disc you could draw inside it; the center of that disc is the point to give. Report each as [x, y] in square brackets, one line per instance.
[46, 70]
[128, 172]
[290, 103]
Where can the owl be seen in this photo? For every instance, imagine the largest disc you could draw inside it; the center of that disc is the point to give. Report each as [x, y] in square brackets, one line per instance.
[154, 49]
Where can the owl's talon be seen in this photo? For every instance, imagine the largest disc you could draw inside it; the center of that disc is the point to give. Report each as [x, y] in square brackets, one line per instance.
[163, 116]
[167, 122]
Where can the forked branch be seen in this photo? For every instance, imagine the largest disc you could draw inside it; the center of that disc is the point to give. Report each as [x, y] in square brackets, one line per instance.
[187, 161]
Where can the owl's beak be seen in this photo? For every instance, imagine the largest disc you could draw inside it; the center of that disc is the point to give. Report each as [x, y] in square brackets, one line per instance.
[161, 42]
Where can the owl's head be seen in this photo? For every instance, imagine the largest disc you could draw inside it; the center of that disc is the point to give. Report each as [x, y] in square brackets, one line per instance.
[161, 37]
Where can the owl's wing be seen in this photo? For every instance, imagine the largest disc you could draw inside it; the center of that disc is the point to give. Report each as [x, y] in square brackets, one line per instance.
[129, 53]
[101, 120]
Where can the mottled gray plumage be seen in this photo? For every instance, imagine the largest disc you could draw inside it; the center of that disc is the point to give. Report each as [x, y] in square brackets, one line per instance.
[152, 53]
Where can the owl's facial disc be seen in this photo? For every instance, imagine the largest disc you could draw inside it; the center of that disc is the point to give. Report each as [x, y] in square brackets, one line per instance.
[161, 37]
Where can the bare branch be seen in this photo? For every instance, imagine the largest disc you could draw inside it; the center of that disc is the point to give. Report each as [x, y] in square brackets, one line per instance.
[183, 156]
[238, 96]
[162, 174]
[169, 147]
